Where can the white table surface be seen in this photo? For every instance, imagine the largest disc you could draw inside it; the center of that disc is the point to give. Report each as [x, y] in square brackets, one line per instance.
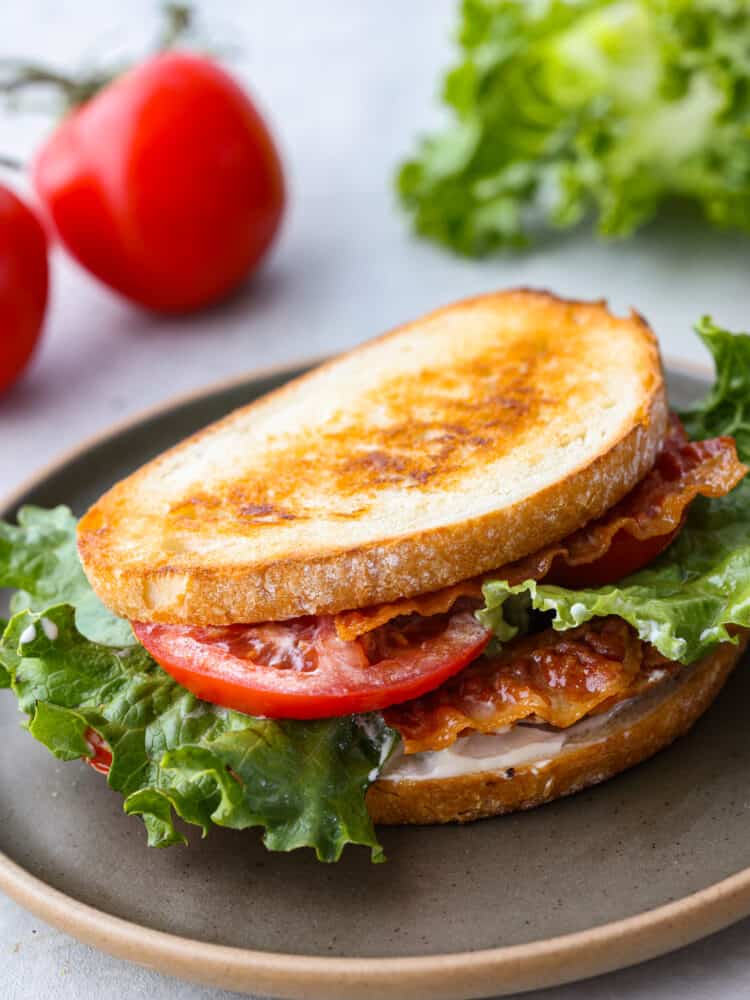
[346, 87]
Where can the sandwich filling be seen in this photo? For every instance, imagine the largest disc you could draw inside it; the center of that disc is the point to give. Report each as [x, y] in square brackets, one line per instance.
[550, 677]
[534, 744]
[429, 661]
[285, 725]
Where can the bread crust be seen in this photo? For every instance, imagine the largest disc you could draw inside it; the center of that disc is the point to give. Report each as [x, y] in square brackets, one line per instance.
[143, 578]
[628, 742]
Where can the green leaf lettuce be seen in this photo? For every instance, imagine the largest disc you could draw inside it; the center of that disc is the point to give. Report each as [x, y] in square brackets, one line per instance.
[561, 108]
[39, 560]
[76, 669]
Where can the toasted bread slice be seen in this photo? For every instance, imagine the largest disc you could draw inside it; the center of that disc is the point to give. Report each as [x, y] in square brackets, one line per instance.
[450, 446]
[647, 726]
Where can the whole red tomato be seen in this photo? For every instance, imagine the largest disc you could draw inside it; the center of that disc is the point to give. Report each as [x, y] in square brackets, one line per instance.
[166, 185]
[24, 284]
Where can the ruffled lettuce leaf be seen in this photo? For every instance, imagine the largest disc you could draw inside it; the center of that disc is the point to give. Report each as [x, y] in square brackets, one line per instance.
[564, 108]
[39, 560]
[4, 672]
[684, 602]
[174, 755]
[76, 669]
[726, 408]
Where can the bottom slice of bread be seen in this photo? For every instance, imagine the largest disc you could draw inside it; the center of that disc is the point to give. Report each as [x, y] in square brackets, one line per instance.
[645, 726]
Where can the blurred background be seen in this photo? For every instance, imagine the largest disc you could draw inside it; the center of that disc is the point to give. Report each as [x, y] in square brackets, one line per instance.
[346, 89]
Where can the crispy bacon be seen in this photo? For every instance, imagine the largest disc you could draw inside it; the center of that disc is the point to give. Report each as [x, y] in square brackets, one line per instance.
[656, 507]
[352, 624]
[554, 677]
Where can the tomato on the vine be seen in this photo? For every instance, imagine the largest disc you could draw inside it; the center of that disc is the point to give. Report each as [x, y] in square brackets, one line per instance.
[166, 184]
[24, 282]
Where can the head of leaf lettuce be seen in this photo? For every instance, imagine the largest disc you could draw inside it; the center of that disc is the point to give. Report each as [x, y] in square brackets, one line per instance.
[77, 671]
[571, 108]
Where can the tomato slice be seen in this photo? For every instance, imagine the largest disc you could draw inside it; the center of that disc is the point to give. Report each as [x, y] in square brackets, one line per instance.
[300, 669]
[101, 760]
[624, 556]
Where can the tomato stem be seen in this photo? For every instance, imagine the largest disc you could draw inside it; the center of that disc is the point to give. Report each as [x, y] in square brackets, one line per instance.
[17, 75]
[178, 19]
[22, 76]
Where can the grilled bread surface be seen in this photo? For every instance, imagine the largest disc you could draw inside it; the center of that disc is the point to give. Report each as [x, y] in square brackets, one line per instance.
[448, 447]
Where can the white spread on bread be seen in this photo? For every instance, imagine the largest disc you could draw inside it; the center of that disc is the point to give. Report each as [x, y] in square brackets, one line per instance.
[521, 745]
[511, 747]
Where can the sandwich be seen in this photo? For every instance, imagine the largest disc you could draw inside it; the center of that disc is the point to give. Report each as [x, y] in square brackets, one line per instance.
[471, 566]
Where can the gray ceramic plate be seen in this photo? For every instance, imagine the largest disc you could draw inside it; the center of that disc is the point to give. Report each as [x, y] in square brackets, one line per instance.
[645, 863]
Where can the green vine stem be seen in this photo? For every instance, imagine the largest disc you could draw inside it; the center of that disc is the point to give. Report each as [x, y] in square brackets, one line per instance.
[18, 76]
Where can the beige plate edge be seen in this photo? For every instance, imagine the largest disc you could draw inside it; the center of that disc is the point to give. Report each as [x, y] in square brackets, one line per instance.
[441, 977]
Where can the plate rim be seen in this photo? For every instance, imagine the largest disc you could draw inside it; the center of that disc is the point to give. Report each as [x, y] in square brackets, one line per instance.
[465, 974]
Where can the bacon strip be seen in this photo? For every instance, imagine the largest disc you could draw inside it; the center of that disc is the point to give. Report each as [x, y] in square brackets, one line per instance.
[353, 624]
[655, 507]
[556, 677]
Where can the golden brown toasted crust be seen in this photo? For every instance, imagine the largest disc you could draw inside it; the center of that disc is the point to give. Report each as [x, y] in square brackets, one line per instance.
[627, 742]
[457, 443]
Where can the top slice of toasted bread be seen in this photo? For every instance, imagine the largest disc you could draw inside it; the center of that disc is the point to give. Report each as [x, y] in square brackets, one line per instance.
[446, 448]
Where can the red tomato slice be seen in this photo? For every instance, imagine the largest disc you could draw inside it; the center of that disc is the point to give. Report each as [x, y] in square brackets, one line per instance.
[300, 669]
[625, 555]
[101, 760]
